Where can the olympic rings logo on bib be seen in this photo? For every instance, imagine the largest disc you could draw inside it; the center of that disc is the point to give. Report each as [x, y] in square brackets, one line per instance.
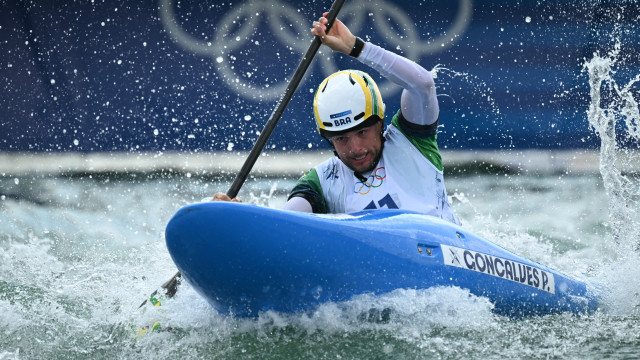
[373, 181]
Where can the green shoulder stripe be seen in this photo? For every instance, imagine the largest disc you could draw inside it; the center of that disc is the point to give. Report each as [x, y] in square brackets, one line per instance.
[428, 145]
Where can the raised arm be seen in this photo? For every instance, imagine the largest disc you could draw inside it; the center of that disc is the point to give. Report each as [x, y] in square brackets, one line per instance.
[419, 103]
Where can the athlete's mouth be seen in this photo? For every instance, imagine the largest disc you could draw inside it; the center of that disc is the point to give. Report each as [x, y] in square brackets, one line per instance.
[361, 157]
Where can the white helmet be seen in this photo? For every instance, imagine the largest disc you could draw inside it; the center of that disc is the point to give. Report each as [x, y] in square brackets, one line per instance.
[346, 100]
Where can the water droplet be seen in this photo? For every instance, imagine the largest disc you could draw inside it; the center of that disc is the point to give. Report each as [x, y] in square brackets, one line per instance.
[247, 117]
[527, 19]
[219, 59]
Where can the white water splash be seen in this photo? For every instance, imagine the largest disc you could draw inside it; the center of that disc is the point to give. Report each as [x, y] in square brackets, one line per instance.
[617, 111]
[481, 88]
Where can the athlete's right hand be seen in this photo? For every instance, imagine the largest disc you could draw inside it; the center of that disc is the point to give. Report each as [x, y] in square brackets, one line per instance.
[339, 37]
[224, 197]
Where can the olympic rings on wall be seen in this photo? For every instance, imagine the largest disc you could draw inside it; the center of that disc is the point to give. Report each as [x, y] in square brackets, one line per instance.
[241, 23]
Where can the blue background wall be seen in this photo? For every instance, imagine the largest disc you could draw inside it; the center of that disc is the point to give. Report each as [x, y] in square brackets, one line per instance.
[205, 75]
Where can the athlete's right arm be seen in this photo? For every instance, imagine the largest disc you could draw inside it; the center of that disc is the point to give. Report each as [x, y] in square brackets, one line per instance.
[224, 197]
[296, 203]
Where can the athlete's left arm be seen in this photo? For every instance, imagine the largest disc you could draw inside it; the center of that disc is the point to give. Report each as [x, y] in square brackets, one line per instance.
[419, 103]
[298, 203]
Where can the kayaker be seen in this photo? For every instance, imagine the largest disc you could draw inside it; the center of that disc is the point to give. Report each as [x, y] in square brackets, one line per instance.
[373, 168]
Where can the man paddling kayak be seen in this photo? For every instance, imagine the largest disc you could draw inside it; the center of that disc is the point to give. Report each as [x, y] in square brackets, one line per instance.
[399, 168]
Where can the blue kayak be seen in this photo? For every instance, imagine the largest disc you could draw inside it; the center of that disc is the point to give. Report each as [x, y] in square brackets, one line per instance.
[245, 259]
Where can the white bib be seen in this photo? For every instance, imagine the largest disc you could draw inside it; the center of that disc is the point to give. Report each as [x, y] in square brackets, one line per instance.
[403, 179]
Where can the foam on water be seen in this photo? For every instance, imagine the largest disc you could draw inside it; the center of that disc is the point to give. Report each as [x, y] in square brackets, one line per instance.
[75, 272]
[75, 268]
[422, 318]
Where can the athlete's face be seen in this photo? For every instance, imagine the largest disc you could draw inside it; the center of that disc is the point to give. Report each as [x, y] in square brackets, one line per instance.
[359, 149]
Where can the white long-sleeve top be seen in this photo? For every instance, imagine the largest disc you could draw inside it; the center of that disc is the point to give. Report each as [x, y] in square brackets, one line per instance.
[418, 102]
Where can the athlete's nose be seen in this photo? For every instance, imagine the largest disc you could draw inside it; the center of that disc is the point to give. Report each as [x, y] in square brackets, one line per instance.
[356, 145]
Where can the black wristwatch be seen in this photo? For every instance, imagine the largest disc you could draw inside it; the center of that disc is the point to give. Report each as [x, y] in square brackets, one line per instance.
[357, 48]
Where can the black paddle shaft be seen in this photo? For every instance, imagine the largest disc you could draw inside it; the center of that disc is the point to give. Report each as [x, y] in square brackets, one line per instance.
[241, 177]
[171, 286]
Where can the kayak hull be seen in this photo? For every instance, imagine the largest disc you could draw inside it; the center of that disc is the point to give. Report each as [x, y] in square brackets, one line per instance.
[246, 259]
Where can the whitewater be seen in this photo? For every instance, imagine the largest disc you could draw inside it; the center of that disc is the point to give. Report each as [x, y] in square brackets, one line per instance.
[80, 250]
